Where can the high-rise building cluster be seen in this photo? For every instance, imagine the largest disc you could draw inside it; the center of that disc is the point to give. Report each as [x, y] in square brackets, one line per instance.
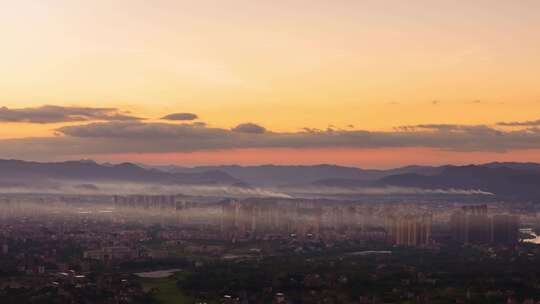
[410, 230]
[250, 220]
[473, 225]
[146, 201]
[278, 218]
[305, 219]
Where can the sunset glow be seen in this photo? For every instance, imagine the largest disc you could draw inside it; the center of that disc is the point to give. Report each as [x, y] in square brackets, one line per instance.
[283, 65]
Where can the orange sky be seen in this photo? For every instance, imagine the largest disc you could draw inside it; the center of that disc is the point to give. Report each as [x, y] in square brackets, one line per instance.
[365, 158]
[282, 64]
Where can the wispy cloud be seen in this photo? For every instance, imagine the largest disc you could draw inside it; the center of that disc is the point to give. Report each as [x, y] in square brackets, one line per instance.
[528, 123]
[56, 114]
[180, 116]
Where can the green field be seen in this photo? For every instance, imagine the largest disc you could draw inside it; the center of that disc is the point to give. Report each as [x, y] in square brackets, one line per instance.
[166, 290]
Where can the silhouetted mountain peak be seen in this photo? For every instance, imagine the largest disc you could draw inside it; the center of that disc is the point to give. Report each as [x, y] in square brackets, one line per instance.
[500, 180]
[92, 171]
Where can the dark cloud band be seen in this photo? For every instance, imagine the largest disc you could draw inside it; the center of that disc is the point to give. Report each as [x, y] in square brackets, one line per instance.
[122, 133]
[249, 128]
[180, 116]
[57, 114]
[139, 137]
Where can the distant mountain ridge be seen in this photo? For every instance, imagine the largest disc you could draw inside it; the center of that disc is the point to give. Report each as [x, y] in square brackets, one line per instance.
[512, 181]
[17, 170]
[504, 179]
[501, 178]
[272, 175]
[513, 165]
[287, 175]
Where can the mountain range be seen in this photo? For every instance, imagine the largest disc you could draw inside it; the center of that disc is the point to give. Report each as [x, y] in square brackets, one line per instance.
[504, 179]
[501, 178]
[24, 173]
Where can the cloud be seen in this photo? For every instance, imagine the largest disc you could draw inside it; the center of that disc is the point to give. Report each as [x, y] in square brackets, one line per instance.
[143, 131]
[529, 123]
[56, 114]
[145, 137]
[249, 128]
[180, 116]
[449, 129]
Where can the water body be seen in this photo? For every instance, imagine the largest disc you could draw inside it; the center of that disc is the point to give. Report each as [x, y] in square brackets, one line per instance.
[535, 237]
[369, 252]
[159, 274]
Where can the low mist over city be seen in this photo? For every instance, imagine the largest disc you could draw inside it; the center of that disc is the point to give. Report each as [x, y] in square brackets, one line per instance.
[269, 152]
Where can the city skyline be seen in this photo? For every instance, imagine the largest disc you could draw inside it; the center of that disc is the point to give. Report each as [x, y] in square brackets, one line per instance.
[284, 152]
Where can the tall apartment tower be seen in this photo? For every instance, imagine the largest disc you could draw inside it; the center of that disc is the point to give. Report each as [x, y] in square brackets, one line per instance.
[410, 230]
[472, 225]
[505, 229]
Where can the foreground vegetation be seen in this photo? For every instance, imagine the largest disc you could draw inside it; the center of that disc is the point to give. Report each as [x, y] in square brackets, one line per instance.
[446, 275]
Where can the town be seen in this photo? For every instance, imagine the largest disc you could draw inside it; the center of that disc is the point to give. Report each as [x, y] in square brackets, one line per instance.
[107, 249]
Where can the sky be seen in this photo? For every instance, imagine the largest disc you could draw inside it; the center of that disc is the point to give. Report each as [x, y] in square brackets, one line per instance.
[374, 84]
